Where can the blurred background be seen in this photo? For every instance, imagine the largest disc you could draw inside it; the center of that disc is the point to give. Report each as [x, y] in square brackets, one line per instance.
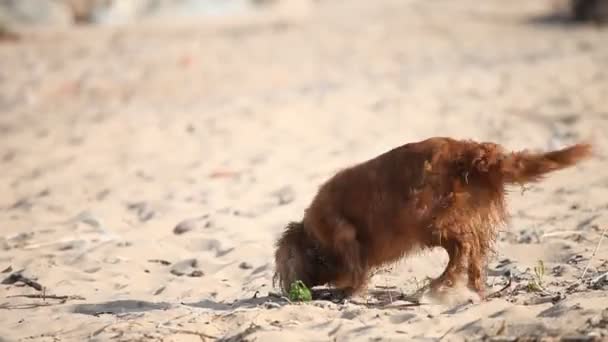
[111, 12]
[192, 131]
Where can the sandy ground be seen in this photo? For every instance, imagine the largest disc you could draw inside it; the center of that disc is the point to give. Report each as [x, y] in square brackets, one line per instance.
[146, 171]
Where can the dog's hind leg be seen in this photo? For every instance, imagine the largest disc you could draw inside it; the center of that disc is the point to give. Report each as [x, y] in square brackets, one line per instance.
[458, 253]
[476, 274]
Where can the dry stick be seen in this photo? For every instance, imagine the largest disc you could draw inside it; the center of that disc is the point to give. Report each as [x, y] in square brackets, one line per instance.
[100, 330]
[43, 296]
[380, 305]
[593, 255]
[18, 277]
[7, 306]
[561, 232]
[242, 335]
[446, 333]
[599, 278]
[202, 335]
[276, 295]
[495, 294]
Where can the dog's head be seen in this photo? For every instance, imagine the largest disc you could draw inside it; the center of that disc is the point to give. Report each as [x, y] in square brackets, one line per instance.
[298, 257]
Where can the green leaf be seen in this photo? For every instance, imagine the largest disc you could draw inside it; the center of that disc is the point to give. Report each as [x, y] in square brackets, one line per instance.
[298, 292]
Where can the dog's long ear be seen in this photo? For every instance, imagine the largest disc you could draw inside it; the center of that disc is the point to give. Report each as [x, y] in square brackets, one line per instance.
[289, 261]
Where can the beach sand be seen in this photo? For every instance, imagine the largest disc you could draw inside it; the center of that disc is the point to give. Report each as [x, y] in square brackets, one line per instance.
[147, 170]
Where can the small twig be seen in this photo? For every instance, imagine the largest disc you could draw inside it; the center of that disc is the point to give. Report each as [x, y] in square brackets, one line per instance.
[44, 297]
[599, 278]
[504, 288]
[202, 335]
[594, 252]
[562, 232]
[18, 277]
[242, 335]
[100, 330]
[160, 261]
[446, 333]
[276, 295]
[381, 305]
[542, 300]
[64, 241]
[7, 306]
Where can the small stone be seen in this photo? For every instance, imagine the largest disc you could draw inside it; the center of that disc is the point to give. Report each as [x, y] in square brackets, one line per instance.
[196, 273]
[245, 266]
[102, 195]
[111, 260]
[184, 227]
[191, 224]
[604, 316]
[143, 210]
[284, 195]
[93, 269]
[88, 218]
[575, 259]
[272, 305]
[558, 270]
[159, 290]
[177, 273]
[184, 267]
[44, 193]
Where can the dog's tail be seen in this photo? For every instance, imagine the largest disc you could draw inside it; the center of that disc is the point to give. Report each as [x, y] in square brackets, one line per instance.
[525, 167]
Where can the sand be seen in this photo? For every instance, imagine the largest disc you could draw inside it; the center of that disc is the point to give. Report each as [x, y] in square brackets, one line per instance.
[147, 170]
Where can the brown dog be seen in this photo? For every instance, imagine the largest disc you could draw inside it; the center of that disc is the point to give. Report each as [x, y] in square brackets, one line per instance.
[438, 192]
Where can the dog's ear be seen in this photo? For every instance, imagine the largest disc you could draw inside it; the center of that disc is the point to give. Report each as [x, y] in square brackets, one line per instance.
[289, 260]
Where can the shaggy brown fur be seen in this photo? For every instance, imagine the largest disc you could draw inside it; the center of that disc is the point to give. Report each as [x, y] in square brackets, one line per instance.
[438, 192]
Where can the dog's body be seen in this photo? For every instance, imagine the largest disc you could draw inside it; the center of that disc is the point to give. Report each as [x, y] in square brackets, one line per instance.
[438, 192]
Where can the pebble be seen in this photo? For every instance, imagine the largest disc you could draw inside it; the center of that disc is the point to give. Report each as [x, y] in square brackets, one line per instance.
[245, 265]
[272, 305]
[196, 273]
[159, 290]
[186, 267]
[143, 210]
[558, 270]
[284, 195]
[191, 224]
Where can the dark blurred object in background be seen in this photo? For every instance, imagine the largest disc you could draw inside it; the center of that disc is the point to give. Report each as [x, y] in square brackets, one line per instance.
[590, 10]
[6, 34]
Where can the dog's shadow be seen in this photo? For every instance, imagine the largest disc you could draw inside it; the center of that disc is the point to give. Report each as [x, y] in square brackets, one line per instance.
[130, 306]
[374, 298]
[561, 20]
[117, 307]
